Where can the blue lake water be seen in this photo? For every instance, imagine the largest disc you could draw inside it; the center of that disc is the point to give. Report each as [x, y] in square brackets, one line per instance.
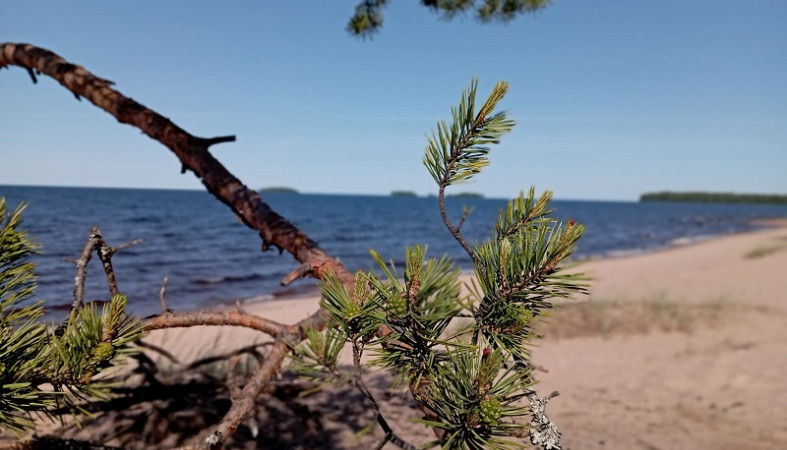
[210, 258]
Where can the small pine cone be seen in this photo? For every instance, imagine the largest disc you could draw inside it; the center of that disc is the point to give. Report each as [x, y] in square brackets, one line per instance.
[103, 352]
[397, 306]
[491, 410]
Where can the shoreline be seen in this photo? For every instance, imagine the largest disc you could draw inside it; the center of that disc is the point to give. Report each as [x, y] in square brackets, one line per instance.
[759, 226]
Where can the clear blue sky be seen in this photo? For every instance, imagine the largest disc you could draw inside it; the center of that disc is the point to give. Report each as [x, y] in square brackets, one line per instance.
[612, 97]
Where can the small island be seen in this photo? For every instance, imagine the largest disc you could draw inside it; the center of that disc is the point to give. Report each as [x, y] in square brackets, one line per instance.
[713, 197]
[278, 190]
[403, 194]
[466, 195]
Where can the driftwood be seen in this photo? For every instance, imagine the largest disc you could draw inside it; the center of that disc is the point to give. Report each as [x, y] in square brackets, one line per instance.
[194, 155]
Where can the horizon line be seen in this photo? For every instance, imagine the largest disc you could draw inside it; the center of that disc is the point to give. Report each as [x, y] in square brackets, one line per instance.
[299, 192]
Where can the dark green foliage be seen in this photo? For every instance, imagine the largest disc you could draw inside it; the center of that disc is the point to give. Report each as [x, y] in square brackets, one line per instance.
[41, 369]
[476, 397]
[90, 343]
[519, 271]
[466, 195]
[419, 311]
[316, 357]
[21, 333]
[713, 197]
[368, 17]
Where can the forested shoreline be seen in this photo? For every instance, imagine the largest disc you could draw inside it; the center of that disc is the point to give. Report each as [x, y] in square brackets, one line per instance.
[713, 197]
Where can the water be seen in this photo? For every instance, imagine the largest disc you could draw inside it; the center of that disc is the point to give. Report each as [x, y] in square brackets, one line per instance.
[210, 258]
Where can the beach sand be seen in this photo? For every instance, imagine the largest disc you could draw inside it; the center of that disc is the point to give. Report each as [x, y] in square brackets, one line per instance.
[716, 378]
[682, 348]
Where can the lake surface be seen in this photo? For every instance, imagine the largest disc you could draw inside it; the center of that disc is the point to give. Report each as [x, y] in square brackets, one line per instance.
[210, 258]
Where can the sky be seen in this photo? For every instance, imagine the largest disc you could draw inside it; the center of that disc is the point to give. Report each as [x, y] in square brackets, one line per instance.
[612, 98]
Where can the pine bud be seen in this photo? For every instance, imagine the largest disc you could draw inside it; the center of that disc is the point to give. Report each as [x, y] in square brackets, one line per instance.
[352, 310]
[318, 344]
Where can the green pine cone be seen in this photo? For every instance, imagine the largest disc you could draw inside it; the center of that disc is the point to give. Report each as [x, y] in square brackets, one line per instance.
[103, 352]
[397, 306]
[491, 410]
[352, 310]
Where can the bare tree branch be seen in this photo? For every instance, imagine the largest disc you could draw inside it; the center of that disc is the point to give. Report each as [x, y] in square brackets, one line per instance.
[193, 154]
[299, 272]
[246, 203]
[105, 253]
[81, 263]
[126, 245]
[218, 318]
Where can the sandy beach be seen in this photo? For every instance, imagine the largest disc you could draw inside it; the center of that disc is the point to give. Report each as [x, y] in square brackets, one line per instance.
[682, 348]
[706, 371]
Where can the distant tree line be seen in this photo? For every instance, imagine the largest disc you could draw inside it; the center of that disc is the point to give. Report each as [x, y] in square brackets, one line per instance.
[278, 190]
[713, 197]
[403, 194]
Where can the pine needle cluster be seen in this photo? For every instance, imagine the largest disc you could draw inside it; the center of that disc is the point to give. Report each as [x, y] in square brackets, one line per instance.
[464, 357]
[368, 17]
[44, 367]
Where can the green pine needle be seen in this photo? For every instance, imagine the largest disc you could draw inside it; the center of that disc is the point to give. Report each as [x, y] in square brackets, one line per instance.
[457, 152]
[33, 356]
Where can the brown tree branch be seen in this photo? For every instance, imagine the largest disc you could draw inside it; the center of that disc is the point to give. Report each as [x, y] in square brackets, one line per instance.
[81, 263]
[193, 154]
[105, 253]
[246, 203]
[97, 242]
[299, 272]
[126, 245]
[218, 318]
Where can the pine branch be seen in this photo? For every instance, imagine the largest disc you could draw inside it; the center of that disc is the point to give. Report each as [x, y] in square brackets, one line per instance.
[521, 212]
[457, 153]
[22, 336]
